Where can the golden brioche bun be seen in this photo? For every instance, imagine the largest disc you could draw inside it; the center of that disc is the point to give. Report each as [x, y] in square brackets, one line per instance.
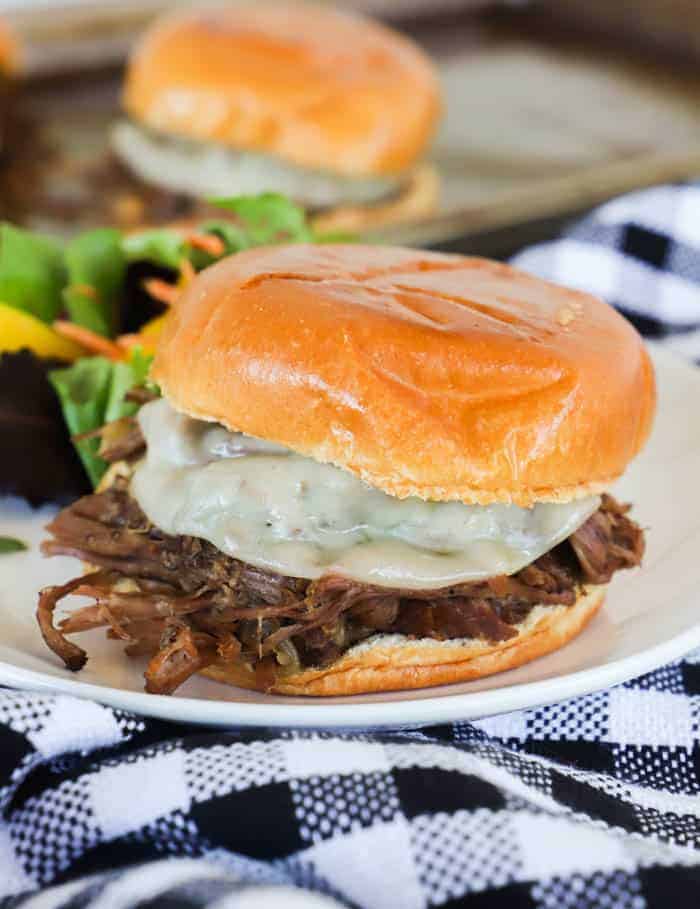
[443, 377]
[396, 663]
[321, 88]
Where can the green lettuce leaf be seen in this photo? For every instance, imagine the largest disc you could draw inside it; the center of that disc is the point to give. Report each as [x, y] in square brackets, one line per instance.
[11, 544]
[160, 246]
[126, 376]
[87, 277]
[92, 392]
[95, 261]
[234, 236]
[32, 272]
[263, 219]
[166, 248]
[83, 390]
[267, 218]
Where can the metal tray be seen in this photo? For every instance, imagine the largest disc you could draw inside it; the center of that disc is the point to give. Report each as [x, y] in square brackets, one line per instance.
[538, 126]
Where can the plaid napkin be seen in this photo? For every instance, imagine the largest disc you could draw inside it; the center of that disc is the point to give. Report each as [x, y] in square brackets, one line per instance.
[593, 803]
[640, 252]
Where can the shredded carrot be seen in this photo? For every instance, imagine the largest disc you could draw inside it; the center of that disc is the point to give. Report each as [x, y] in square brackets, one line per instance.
[187, 273]
[126, 342]
[161, 290]
[209, 243]
[90, 434]
[90, 340]
[87, 290]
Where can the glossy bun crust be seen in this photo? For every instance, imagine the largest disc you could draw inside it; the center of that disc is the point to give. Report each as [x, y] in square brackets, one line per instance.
[318, 87]
[429, 375]
[393, 663]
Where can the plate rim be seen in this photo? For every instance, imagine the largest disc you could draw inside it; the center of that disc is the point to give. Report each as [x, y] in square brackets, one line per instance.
[319, 714]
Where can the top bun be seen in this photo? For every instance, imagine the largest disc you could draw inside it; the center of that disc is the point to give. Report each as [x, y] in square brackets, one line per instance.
[438, 376]
[318, 87]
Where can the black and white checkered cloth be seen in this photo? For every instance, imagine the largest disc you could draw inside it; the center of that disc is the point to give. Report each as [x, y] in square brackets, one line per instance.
[593, 803]
[640, 252]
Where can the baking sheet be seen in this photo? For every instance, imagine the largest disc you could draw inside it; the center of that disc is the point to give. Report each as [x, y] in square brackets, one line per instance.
[537, 126]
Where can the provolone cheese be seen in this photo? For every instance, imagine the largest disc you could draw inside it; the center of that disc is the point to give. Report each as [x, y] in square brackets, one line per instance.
[278, 510]
[204, 169]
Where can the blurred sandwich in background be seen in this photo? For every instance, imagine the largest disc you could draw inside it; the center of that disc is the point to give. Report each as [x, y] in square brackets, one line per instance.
[548, 109]
[330, 108]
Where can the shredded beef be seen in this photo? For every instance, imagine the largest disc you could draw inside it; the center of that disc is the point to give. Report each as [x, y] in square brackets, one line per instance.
[186, 604]
[607, 542]
[121, 440]
[180, 656]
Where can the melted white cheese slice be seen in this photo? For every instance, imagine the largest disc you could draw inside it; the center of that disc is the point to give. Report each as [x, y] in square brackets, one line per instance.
[203, 169]
[278, 510]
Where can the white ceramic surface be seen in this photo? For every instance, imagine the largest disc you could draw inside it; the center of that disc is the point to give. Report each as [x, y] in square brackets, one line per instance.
[651, 616]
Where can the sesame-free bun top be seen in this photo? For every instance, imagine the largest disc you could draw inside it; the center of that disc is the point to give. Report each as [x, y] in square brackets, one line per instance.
[320, 88]
[438, 376]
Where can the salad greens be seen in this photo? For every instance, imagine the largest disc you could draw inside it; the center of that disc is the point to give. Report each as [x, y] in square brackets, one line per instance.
[11, 544]
[125, 376]
[92, 392]
[268, 218]
[90, 281]
[260, 220]
[32, 272]
[86, 276]
[96, 269]
[160, 246]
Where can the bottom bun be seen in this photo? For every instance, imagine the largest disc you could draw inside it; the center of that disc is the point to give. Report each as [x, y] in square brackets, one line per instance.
[417, 199]
[394, 662]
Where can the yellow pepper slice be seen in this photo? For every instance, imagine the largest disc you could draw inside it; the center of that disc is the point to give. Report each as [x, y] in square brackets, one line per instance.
[147, 338]
[20, 329]
[151, 331]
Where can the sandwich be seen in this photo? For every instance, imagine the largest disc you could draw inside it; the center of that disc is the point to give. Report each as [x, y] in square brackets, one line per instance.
[368, 469]
[327, 107]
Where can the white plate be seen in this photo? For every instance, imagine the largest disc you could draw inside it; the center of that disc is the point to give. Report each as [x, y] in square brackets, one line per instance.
[651, 616]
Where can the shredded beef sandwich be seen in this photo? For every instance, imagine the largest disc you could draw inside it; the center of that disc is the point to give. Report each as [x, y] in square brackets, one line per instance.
[370, 469]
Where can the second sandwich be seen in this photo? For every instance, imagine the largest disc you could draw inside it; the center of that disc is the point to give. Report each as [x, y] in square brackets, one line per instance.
[330, 108]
